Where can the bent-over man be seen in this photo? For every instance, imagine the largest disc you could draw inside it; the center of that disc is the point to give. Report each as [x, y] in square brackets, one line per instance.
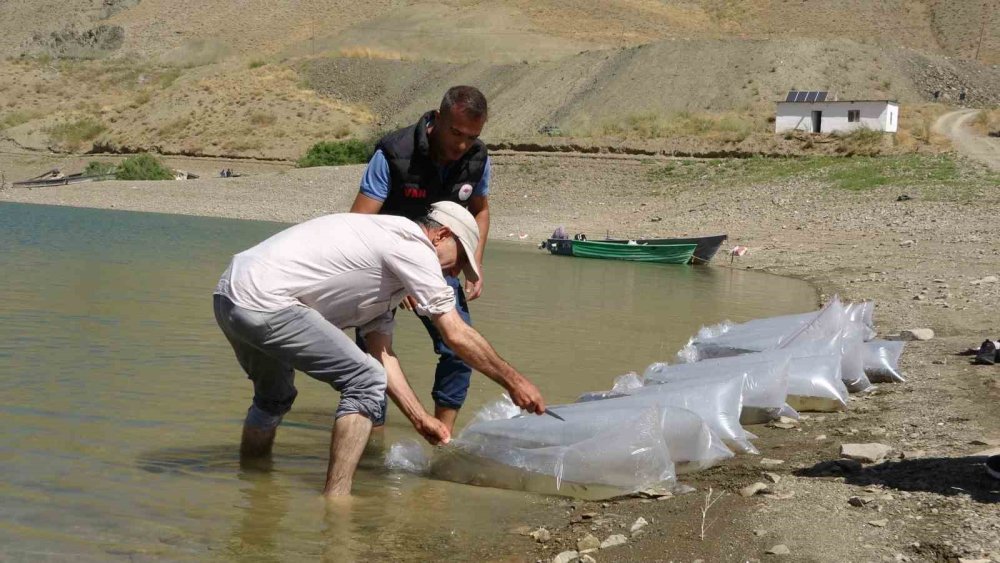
[283, 304]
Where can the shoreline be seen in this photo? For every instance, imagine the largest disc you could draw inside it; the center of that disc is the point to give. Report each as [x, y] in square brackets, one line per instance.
[917, 259]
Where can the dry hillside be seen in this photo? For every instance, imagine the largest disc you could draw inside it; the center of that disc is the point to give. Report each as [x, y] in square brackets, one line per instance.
[267, 79]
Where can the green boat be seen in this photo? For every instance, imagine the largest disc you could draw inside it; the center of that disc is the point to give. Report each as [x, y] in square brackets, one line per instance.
[660, 253]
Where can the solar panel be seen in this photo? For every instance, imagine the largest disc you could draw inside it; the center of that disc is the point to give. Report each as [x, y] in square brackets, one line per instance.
[799, 96]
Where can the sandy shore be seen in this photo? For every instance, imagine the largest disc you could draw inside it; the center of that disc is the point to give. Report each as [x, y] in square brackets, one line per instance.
[919, 259]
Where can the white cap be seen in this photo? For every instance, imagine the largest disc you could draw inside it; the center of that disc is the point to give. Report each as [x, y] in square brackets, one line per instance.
[463, 225]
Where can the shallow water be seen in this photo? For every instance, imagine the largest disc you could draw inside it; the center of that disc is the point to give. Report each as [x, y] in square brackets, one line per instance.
[121, 402]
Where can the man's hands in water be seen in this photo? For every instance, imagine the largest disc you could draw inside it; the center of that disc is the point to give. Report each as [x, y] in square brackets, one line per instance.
[433, 430]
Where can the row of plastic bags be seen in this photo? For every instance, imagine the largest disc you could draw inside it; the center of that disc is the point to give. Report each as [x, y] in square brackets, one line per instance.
[674, 418]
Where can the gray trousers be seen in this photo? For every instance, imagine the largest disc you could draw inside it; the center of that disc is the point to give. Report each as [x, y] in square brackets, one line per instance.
[271, 346]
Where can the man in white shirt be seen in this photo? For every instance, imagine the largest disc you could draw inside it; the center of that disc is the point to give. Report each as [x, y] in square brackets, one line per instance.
[284, 303]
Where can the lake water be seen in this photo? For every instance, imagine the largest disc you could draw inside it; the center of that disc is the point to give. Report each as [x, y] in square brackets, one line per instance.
[121, 403]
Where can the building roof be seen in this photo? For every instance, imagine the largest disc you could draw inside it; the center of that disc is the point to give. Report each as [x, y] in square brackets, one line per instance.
[800, 96]
[816, 96]
[839, 102]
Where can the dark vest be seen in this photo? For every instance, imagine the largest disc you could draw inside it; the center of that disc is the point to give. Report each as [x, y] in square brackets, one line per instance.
[415, 181]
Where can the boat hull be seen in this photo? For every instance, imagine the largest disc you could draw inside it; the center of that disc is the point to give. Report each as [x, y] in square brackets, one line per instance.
[659, 253]
[705, 249]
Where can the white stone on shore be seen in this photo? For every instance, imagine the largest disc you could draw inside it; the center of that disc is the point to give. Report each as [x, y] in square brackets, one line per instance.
[639, 524]
[752, 489]
[866, 453]
[614, 540]
[541, 535]
[772, 477]
[587, 543]
[565, 557]
[917, 334]
[780, 549]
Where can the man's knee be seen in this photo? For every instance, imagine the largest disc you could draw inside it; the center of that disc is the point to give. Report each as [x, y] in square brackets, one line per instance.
[365, 392]
[451, 389]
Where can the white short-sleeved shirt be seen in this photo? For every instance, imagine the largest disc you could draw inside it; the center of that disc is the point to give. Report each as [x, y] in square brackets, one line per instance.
[354, 269]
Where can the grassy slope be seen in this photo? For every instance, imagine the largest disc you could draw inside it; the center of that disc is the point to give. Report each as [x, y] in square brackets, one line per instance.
[271, 78]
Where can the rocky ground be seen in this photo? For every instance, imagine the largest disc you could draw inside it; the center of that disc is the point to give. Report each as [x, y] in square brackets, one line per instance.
[929, 260]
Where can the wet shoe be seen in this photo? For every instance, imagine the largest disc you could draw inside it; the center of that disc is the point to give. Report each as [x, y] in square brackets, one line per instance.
[993, 466]
[987, 354]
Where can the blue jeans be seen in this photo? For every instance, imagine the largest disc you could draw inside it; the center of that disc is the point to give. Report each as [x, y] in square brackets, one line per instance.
[451, 378]
[452, 375]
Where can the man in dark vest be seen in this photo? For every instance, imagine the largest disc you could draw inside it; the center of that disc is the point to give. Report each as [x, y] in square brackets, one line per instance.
[440, 158]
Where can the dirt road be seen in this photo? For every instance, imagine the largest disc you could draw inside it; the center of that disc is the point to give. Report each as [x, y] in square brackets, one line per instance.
[977, 147]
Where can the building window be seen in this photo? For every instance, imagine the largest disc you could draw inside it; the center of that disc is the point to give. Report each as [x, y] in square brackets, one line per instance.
[853, 115]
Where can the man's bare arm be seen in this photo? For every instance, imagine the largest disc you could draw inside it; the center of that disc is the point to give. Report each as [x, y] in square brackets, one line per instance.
[380, 347]
[365, 204]
[477, 352]
[479, 206]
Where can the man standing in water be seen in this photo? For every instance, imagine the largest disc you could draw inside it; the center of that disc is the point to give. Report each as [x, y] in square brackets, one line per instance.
[440, 158]
[283, 304]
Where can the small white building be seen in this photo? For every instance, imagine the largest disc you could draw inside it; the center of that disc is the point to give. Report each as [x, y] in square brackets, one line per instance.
[818, 112]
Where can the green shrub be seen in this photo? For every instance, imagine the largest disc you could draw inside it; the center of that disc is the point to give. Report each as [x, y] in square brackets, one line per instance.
[167, 77]
[336, 153]
[75, 133]
[256, 64]
[263, 118]
[143, 167]
[18, 117]
[96, 168]
[863, 141]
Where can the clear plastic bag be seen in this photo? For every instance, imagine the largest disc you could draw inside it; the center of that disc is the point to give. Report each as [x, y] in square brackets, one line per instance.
[829, 326]
[814, 380]
[602, 449]
[833, 330]
[621, 387]
[598, 456]
[765, 386]
[717, 401]
[862, 312]
[881, 361]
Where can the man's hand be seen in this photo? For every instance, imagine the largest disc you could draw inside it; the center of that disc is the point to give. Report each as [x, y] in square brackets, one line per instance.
[408, 303]
[527, 396]
[433, 430]
[474, 289]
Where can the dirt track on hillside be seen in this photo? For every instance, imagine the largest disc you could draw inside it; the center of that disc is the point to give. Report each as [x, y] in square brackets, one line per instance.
[919, 259]
[955, 125]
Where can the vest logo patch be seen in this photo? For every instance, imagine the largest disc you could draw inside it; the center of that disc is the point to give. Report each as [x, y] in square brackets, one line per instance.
[465, 192]
[414, 191]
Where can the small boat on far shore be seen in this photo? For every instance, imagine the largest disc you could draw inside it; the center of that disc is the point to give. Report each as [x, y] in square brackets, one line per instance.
[704, 248]
[56, 178]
